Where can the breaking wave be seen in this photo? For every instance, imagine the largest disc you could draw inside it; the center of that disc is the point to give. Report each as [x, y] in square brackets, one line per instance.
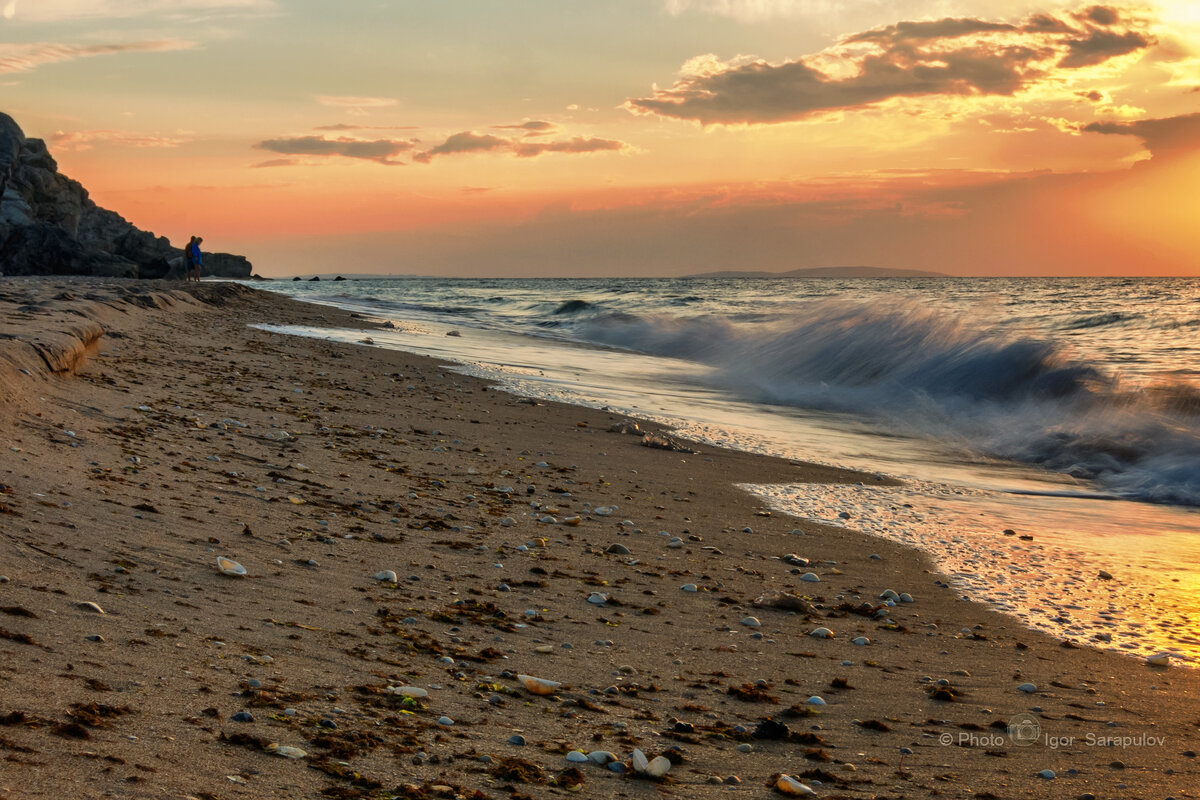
[926, 372]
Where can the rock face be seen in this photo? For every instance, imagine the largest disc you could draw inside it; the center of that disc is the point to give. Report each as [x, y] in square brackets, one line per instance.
[49, 226]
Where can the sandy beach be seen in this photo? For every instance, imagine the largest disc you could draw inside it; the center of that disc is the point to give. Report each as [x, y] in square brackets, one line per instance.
[147, 431]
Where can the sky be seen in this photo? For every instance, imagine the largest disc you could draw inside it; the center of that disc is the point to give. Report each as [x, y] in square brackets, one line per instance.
[628, 137]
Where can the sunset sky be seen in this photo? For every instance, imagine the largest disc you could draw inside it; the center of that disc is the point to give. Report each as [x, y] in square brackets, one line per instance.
[628, 137]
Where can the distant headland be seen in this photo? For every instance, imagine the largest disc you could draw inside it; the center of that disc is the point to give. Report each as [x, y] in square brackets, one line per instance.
[49, 225]
[826, 272]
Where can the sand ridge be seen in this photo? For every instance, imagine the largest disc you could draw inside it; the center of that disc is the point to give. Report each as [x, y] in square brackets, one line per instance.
[188, 435]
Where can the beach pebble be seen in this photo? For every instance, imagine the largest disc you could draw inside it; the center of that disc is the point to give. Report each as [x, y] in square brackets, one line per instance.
[508, 522]
[517, 740]
[1104, 575]
[88, 605]
[597, 598]
[816, 700]
[228, 566]
[538, 685]
[1047, 774]
[655, 767]
[751, 622]
[243, 716]
[285, 751]
[604, 511]
[689, 587]
[446, 721]
[1159, 660]
[821, 633]
[1028, 688]
[744, 747]
[861, 640]
[408, 691]
[789, 785]
[577, 757]
[601, 757]
[810, 577]
[618, 549]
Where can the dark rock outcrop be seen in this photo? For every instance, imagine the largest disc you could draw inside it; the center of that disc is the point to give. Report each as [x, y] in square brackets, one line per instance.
[49, 225]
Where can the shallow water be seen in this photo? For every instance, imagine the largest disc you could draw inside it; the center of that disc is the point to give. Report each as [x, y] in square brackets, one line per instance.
[1055, 420]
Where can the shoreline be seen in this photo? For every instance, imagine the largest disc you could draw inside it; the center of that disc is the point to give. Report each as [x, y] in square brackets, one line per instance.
[674, 655]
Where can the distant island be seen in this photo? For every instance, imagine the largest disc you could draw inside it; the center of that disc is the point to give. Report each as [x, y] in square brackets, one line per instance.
[825, 272]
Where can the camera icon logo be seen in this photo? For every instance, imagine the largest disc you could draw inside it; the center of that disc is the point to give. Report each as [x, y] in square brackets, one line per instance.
[1024, 729]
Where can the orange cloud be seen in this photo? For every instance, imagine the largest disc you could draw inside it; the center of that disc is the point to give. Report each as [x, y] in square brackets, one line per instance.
[355, 103]
[471, 142]
[955, 57]
[85, 140]
[27, 57]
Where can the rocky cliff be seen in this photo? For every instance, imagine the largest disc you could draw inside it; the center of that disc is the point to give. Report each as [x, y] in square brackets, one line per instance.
[49, 226]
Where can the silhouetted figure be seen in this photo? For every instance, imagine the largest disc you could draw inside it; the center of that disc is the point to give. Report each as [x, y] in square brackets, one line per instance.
[195, 258]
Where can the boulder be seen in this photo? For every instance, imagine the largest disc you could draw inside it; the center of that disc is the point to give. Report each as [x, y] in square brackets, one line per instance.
[50, 226]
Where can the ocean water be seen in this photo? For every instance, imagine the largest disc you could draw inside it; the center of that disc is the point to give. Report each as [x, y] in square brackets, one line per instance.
[1063, 409]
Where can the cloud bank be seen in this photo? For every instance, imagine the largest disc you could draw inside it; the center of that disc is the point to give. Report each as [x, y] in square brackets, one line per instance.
[1164, 138]
[381, 151]
[385, 151]
[471, 142]
[958, 57]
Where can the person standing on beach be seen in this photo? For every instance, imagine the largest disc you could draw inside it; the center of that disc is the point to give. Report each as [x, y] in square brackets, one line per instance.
[187, 260]
[195, 258]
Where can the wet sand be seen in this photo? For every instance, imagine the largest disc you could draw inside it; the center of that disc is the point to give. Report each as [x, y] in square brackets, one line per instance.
[146, 430]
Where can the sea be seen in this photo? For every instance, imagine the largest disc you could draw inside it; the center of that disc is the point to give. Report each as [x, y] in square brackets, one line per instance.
[1046, 431]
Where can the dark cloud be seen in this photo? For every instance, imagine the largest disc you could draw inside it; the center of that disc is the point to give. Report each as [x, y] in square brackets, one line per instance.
[1101, 15]
[1099, 46]
[575, 145]
[470, 142]
[951, 57]
[1044, 23]
[1164, 138]
[534, 127]
[382, 151]
[465, 142]
[1093, 95]
[761, 92]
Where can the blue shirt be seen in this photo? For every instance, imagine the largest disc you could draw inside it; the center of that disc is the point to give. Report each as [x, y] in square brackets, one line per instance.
[194, 252]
